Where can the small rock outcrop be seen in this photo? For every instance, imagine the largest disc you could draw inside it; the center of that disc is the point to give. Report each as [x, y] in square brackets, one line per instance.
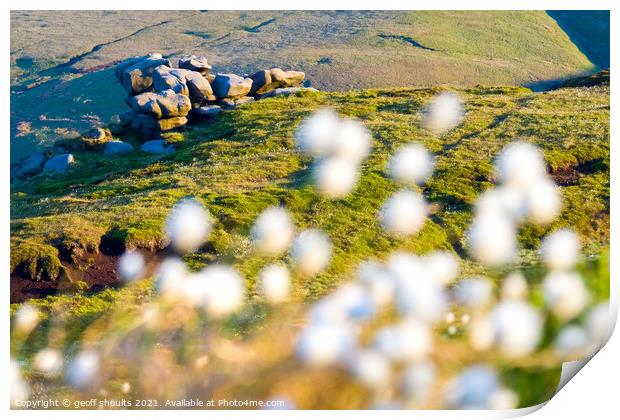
[267, 80]
[31, 165]
[231, 86]
[191, 62]
[59, 163]
[117, 147]
[157, 147]
[98, 135]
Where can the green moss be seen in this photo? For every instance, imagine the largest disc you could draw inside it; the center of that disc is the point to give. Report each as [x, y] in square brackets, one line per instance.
[34, 260]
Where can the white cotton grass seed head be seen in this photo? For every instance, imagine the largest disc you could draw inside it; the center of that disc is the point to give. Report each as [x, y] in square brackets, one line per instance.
[26, 318]
[48, 361]
[572, 342]
[503, 399]
[441, 266]
[315, 135]
[599, 324]
[501, 201]
[417, 381]
[514, 286]
[352, 141]
[377, 281]
[424, 299]
[311, 252]
[272, 231]
[473, 293]
[170, 278]
[409, 341]
[403, 213]
[520, 165]
[481, 333]
[543, 201]
[131, 266]
[224, 290]
[411, 164]
[517, 327]
[560, 250]
[444, 112]
[83, 370]
[20, 390]
[188, 226]
[275, 283]
[370, 368]
[335, 177]
[324, 344]
[493, 240]
[472, 388]
[565, 294]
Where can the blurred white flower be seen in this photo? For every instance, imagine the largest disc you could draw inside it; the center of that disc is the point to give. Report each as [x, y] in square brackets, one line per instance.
[26, 318]
[423, 298]
[409, 341]
[517, 327]
[450, 318]
[170, 277]
[351, 141]
[572, 342]
[417, 381]
[311, 252]
[188, 225]
[83, 370]
[349, 302]
[560, 249]
[465, 318]
[125, 388]
[503, 399]
[514, 286]
[403, 213]
[472, 388]
[324, 344]
[274, 283]
[565, 294]
[131, 266]
[48, 361]
[441, 266]
[411, 164]
[444, 112]
[335, 177]
[473, 293]
[377, 281]
[598, 324]
[316, 133]
[20, 391]
[481, 333]
[500, 201]
[370, 368]
[520, 165]
[273, 231]
[493, 240]
[224, 290]
[543, 201]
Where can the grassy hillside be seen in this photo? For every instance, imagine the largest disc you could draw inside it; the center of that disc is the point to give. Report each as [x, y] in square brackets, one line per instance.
[243, 162]
[59, 87]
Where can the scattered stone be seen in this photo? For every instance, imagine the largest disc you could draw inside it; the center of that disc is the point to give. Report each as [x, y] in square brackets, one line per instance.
[208, 111]
[59, 163]
[98, 135]
[267, 80]
[31, 165]
[136, 74]
[157, 147]
[286, 91]
[231, 86]
[164, 104]
[117, 147]
[191, 62]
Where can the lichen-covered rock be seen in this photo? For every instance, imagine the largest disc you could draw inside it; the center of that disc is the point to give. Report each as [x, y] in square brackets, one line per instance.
[135, 74]
[117, 147]
[286, 91]
[157, 147]
[267, 80]
[207, 111]
[186, 82]
[231, 86]
[59, 163]
[164, 104]
[194, 63]
[31, 165]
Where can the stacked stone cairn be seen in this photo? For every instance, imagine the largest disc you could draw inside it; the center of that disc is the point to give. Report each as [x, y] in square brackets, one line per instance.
[162, 98]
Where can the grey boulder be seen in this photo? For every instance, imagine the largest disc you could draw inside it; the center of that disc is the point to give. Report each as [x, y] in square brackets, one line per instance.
[31, 165]
[136, 74]
[157, 147]
[286, 91]
[231, 86]
[117, 147]
[207, 111]
[98, 135]
[186, 82]
[165, 104]
[191, 62]
[59, 163]
[267, 80]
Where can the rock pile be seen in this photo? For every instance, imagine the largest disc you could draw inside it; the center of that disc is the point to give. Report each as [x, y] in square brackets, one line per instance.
[162, 97]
